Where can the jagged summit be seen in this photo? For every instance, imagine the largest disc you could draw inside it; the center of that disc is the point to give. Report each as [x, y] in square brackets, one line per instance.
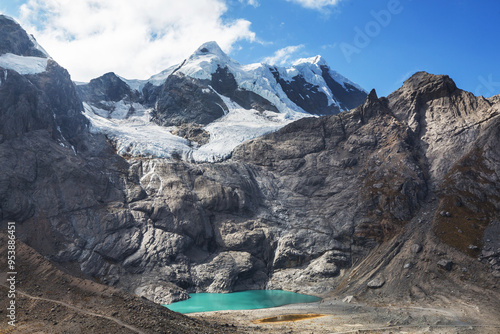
[426, 83]
[108, 87]
[200, 65]
[15, 40]
[372, 101]
[338, 92]
[205, 61]
[45, 101]
[19, 51]
[441, 92]
[373, 95]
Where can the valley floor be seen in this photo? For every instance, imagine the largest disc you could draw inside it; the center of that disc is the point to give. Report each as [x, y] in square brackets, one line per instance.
[357, 317]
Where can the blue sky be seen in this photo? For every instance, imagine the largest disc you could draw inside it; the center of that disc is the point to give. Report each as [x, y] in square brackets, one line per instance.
[375, 43]
[458, 38]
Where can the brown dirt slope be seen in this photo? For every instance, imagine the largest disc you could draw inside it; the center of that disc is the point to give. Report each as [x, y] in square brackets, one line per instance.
[414, 278]
[51, 301]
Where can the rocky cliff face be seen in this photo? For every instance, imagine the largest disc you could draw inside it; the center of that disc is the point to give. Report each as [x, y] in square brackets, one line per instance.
[32, 100]
[305, 208]
[16, 41]
[293, 210]
[41, 131]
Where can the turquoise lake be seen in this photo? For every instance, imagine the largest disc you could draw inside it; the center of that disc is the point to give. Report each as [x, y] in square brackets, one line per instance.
[245, 300]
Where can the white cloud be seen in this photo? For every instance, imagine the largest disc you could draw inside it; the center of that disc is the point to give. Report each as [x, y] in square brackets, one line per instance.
[282, 56]
[315, 4]
[254, 3]
[135, 39]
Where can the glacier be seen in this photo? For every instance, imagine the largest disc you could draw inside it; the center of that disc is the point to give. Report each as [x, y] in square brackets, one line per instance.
[129, 126]
[135, 135]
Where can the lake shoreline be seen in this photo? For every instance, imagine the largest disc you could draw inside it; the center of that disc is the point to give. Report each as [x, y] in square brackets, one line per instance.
[341, 317]
[242, 300]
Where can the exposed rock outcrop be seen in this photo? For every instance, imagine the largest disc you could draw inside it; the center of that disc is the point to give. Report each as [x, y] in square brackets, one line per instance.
[15, 40]
[376, 283]
[182, 99]
[105, 89]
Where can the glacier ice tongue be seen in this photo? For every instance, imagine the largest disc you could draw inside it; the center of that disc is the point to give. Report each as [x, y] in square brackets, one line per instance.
[134, 134]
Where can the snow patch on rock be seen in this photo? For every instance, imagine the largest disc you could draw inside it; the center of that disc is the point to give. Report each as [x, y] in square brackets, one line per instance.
[23, 65]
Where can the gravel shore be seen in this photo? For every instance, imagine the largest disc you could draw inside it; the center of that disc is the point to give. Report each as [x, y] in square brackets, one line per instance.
[357, 317]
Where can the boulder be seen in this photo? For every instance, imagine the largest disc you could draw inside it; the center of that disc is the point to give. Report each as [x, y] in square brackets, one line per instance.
[222, 272]
[416, 248]
[445, 264]
[348, 299]
[162, 292]
[445, 214]
[487, 254]
[376, 283]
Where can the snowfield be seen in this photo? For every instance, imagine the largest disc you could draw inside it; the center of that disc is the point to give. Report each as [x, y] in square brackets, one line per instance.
[23, 65]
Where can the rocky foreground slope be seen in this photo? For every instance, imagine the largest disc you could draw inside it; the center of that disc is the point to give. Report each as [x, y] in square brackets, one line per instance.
[325, 205]
[49, 300]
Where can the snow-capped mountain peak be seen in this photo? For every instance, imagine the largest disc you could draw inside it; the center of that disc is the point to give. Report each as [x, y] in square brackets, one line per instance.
[215, 102]
[316, 60]
[210, 49]
[205, 61]
[200, 65]
[22, 54]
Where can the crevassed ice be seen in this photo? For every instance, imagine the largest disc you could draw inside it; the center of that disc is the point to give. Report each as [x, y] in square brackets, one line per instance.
[238, 126]
[136, 135]
[133, 134]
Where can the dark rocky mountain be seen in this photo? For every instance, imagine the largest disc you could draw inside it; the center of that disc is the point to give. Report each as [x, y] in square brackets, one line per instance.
[46, 101]
[367, 202]
[16, 41]
[108, 87]
[181, 100]
[346, 94]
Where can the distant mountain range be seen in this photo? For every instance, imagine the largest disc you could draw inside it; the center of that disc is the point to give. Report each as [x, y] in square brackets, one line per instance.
[217, 103]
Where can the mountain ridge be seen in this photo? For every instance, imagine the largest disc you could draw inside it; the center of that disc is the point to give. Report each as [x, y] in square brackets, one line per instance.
[395, 201]
[205, 60]
[210, 92]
